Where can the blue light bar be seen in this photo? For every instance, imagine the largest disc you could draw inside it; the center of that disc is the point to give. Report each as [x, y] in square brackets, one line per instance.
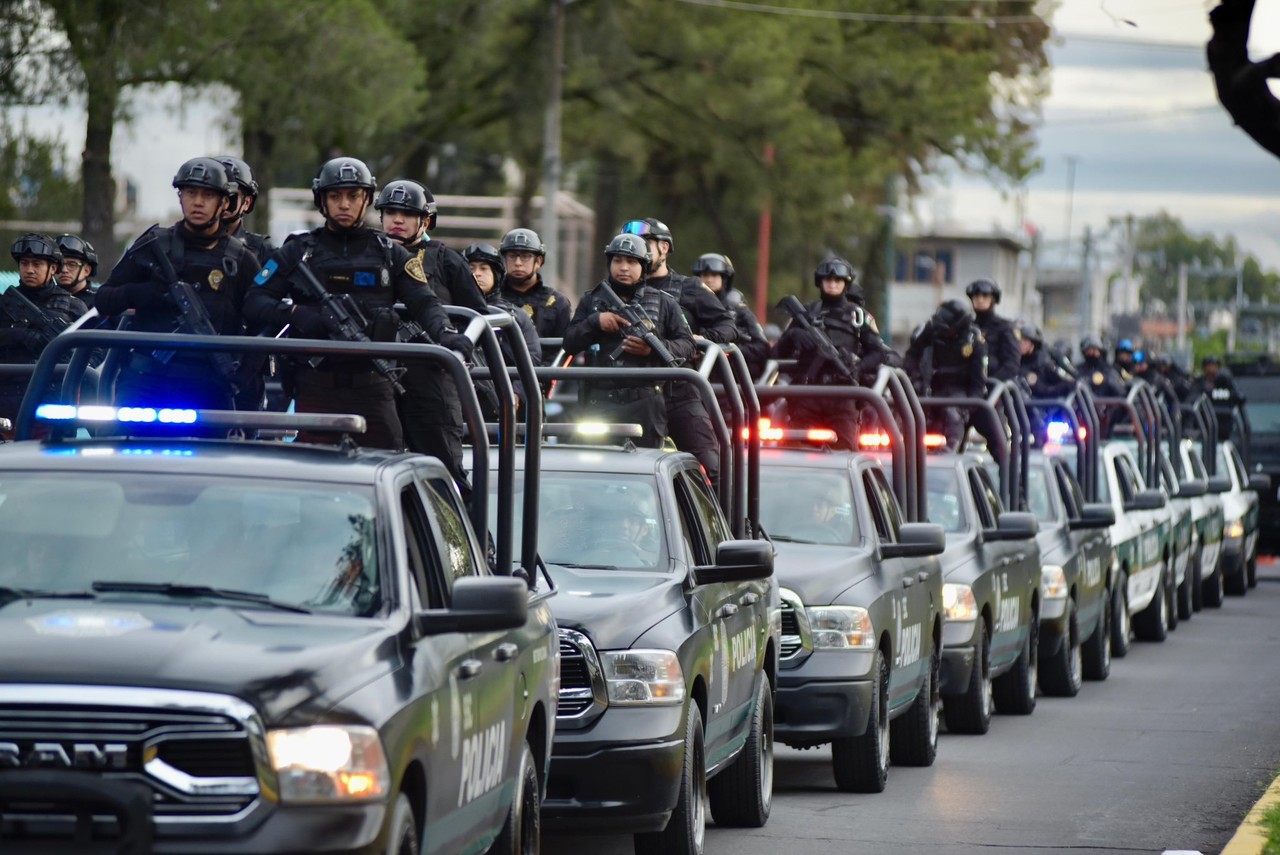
[1057, 432]
[248, 419]
[136, 415]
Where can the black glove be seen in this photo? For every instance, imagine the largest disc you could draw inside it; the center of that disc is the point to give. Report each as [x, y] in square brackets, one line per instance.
[458, 343]
[148, 296]
[307, 322]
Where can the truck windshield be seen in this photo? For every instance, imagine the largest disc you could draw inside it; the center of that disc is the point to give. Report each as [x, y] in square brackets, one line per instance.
[1264, 402]
[946, 508]
[807, 505]
[303, 545]
[1039, 501]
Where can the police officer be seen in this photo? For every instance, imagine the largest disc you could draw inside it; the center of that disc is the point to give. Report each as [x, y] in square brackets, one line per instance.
[349, 258]
[851, 328]
[1125, 360]
[1094, 370]
[217, 265]
[1040, 371]
[597, 329]
[1145, 369]
[79, 266]
[688, 421]
[522, 256]
[1217, 383]
[486, 267]
[1004, 356]
[716, 272]
[1179, 380]
[430, 410]
[243, 199]
[38, 262]
[948, 358]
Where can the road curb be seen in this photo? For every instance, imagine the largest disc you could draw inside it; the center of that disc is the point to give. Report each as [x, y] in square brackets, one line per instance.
[1250, 838]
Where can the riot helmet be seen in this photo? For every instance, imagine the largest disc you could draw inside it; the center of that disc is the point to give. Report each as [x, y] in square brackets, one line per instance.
[38, 246]
[484, 253]
[204, 172]
[341, 172]
[242, 179]
[649, 228]
[952, 317]
[629, 246]
[74, 246]
[1030, 332]
[713, 262]
[983, 286]
[405, 195]
[1091, 342]
[837, 267]
[522, 240]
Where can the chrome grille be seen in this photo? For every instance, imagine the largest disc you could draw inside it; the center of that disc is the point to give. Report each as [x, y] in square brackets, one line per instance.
[795, 626]
[582, 686]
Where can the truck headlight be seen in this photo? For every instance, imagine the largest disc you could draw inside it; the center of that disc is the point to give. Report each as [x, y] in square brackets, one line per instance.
[329, 763]
[841, 628]
[636, 677]
[958, 603]
[1235, 528]
[1053, 582]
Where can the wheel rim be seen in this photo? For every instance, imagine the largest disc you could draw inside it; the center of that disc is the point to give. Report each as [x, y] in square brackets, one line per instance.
[1164, 607]
[882, 722]
[935, 697]
[529, 819]
[1033, 656]
[700, 795]
[1124, 616]
[987, 699]
[766, 756]
[1106, 637]
[1076, 657]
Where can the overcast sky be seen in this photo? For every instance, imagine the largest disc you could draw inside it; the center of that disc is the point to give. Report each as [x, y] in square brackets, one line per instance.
[1141, 121]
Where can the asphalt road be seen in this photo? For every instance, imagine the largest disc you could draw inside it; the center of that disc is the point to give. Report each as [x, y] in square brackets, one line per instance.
[1168, 754]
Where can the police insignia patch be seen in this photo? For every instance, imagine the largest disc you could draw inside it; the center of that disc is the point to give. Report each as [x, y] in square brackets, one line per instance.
[215, 279]
[528, 310]
[414, 268]
[265, 273]
[551, 301]
[966, 351]
[1097, 378]
[871, 322]
[1031, 378]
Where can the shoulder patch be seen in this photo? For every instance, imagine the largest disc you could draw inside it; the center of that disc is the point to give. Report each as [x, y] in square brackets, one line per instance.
[267, 271]
[414, 268]
[871, 322]
[551, 301]
[966, 351]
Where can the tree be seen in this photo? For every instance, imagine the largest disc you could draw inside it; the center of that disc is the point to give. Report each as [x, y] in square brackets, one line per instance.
[1164, 244]
[36, 182]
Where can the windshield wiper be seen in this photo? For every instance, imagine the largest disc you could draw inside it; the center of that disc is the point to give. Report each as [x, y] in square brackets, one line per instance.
[7, 593]
[174, 589]
[583, 566]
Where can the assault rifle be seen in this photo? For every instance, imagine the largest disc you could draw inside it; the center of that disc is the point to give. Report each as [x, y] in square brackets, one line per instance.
[843, 361]
[639, 325]
[21, 312]
[193, 316]
[344, 320]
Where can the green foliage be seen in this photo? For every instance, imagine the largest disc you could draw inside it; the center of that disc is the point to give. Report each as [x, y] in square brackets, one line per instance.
[1163, 243]
[36, 181]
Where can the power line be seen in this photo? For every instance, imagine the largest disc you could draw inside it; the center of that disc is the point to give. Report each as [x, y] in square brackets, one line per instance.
[874, 17]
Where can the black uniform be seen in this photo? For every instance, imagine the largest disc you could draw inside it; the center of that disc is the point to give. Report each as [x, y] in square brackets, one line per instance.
[751, 338]
[221, 269]
[616, 403]
[430, 410]
[1044, 376]
[378, 273]
[21, 346]
[548, 308]
[1004, 356]
[484, 388]
[1102, 378]
[945, 368]
[852, 329]
[688, 421]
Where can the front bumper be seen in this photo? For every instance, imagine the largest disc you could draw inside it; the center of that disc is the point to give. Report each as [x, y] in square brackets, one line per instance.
[1055, 626]
[957, 669]
[827, 697]
[1232, 559]
[621, 773]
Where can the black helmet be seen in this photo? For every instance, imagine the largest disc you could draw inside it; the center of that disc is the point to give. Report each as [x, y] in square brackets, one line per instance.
[1031, 333]
[837, 267]
[629, 246]
[74, 246]
[648, 228]
[240, 173]
[983, 286]
[342, 172]
[952, 317]
[405, 195]
[204, 172]
[713, 262]
[1091, 342]
[484, 252]
[1211, 359]
[522, 240]
[34, 245]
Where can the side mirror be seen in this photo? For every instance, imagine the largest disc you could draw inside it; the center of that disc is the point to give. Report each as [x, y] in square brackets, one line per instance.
[738, 561]
[480, 604]
[916, 540]
[1260, 482]
[1013, 525]
[1193, 488]
[1220, 484]
[1146, 500]
[1095, 515]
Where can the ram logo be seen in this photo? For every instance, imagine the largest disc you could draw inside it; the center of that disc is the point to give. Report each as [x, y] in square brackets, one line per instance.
[56, 755]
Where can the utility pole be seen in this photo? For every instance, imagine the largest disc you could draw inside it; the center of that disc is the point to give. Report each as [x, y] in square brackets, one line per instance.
[1234, 332]
[890, 216]
[550, 226]
[1071, 192]
[1086, 284]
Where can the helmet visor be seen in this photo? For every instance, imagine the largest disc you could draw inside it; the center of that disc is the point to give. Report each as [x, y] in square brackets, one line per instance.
[29, 245]
[637, 227]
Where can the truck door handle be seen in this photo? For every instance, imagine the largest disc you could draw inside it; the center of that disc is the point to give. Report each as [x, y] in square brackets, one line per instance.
[923, 575]
[506, 652]
[907, 581]
[469, 668]
[749, 599]
[727, 610]
[1005, 562]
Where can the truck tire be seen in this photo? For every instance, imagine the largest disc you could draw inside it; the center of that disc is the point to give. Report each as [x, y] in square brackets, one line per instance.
[913, 736]
[1015, 689]
[1185, 607]
[522, 832]
[1152, 623]
[1215, 588]
[404, 829]
[1197, 589]
[742, 795]
[1171, 600]
[1063, 673]
[1097, 649]
[970, 712]
[686, 831]
[861, 763]
[1252, 571]
[1120, 625]
[1237, 584]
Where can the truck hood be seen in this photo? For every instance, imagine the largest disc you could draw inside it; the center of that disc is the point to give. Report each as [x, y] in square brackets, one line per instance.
[613, 607]
[818, 573]
[289, 666]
